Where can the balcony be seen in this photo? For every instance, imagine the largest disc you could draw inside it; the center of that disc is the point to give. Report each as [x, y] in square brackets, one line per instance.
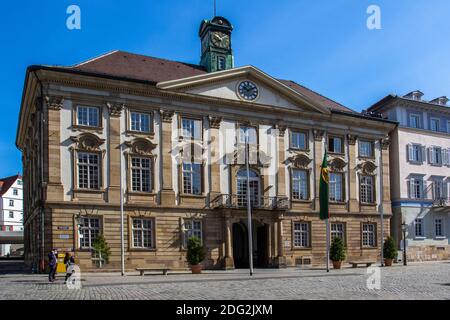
[441, 203]
[239, 201]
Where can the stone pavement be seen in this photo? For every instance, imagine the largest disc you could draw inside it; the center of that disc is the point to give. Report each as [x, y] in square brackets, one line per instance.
[416, 281]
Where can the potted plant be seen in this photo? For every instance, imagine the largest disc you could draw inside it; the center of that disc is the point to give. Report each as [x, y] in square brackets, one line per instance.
[337, 252]
[195, 254]
[389, 251]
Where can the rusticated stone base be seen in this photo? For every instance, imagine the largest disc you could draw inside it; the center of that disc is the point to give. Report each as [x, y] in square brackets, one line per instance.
[428, 253]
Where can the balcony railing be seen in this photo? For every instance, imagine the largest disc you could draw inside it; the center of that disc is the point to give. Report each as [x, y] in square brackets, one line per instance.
[441, 202]
[239, 201]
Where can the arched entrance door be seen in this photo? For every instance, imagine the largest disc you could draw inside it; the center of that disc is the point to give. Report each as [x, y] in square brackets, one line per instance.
[260, 245]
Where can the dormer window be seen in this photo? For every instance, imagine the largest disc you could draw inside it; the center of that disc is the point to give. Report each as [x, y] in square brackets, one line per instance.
[415, 95]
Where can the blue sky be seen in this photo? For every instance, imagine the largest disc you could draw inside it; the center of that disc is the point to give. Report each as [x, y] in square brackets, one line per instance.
[324, 45]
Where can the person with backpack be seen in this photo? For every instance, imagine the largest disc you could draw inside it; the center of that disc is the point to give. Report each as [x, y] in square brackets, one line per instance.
[52, 262]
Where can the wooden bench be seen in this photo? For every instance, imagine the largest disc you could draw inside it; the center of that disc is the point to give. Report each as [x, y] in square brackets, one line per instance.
[143, 270]
[356, 263]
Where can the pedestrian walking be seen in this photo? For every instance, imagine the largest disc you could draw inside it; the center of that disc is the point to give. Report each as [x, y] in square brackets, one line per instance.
[52, 262]
[69, 261]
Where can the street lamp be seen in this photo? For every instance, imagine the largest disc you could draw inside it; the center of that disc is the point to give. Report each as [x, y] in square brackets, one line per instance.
[404, 229]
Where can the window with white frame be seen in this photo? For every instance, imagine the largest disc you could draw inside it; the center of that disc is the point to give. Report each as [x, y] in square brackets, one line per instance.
[435, 124]
[438, 227]
[366, 148]
[88, 116]
[11, 203]
[192, 178]
[11, 214]
[415, 121]
[366, 189]
[416, 188]
[301, 235]
[192, 129]
[335, 145]
[418, 228]
[141, 173]
[338, 231]
[300, 184]
[369, 235]
[438, 189]
[192, 228]
[15, 191]
[336, 186]
[140, 122]
[435, 155]
[143, 233]
[89, 231]
[416, 153]
[88, 170]
[242, 182]
[299, 140]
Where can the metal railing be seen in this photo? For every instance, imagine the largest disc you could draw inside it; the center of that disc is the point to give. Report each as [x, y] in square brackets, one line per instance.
[441, 202]
[239, 201]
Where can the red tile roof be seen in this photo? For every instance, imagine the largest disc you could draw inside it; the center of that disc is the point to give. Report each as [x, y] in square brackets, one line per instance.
[140, 67]
[6, 183]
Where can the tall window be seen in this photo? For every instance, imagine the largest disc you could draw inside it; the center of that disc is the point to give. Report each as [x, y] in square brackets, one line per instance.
[435, 154]
[367, 189]
[368, 235]
[192, 129]
[365, 148]
[140, 122]
[336, 187]
[299, 140]
[418, 226]
[252, 135]
[192, 178]
[89, 230]
[300, 184]
[415, 121]
[335, 145]
[242, 188]
[338, 231]
[416, 188]
[88, 170]
[142, 230]
[435, 124]
[301, 235]
[88, 116]
[438, 189]
[11, 203]
[192, 228]
[416, 153]
[141, 169]
[438, 227]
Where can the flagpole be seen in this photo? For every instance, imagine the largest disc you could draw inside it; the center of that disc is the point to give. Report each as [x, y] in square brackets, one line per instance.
[328, 244]
[249, 206]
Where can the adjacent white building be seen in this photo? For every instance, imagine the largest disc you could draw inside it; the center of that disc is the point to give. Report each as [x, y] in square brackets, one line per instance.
[420, 173]
[11, 208]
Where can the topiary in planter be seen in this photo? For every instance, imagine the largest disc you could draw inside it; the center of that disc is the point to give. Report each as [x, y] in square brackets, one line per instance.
[389, 251]
[195, 253]
[337, 252]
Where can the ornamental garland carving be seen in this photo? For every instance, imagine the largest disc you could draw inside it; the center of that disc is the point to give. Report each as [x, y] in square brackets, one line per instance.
[54, 102]
[300, 161]
[367, 168]
[87, 142]
[141, 146]
[337, 164]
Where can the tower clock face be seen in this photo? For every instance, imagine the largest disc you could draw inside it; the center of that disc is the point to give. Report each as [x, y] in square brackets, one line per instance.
[220, 39]
[248, 91]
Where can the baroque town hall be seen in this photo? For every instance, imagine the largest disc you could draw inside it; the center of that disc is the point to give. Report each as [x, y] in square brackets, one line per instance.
[171, 135]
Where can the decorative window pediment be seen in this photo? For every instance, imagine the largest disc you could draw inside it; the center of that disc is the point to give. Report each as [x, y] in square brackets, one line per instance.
[141, 146]
[367, 168]
[300, 161]
[337, 164]
[87, 142]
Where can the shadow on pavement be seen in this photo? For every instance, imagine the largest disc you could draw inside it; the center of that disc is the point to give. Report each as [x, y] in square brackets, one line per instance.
[12, 267]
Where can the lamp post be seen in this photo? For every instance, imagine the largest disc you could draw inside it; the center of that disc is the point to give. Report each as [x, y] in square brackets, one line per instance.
[404, 229]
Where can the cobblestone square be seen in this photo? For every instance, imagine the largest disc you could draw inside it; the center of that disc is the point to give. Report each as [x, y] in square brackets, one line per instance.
[416, 281]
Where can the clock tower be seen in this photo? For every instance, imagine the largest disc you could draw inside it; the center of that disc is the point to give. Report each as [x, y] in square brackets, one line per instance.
[215, 36]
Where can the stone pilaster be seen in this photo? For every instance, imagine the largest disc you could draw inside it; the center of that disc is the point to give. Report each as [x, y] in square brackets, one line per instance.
[386, 180]
[351, 169]
[55, 190]
[281, 174]
[228, 261]
[318, 152]
[281, 258]
[214, 168]
[167, 192]
[114, 169]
